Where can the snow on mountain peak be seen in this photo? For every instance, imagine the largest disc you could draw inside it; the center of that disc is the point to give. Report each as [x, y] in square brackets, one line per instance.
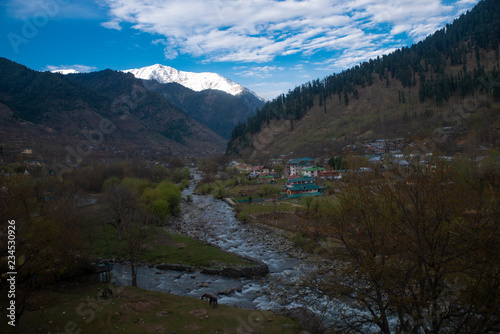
[194, 81]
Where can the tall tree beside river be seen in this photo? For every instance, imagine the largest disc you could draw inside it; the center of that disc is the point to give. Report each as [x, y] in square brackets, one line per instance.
[421, 251]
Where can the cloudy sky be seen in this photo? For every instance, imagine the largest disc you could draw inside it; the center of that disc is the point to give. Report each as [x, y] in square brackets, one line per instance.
[266, 45]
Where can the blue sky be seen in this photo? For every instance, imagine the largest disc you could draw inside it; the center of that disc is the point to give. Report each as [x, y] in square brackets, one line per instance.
[267, 46]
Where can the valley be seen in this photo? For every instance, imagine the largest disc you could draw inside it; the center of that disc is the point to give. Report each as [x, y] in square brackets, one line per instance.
[365, 201]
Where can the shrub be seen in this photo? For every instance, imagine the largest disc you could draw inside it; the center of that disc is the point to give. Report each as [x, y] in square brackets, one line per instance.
[180, 174]
[219, 192]
[243, 217]
[163, 200]
[137, 186]
[184, 184]
[172, 194]
[112, 181]
[161, 209]
[205, 189]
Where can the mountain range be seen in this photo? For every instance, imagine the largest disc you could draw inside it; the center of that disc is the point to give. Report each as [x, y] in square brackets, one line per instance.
[449, 80]
[208, 97]
[53, 113]
[110, 113]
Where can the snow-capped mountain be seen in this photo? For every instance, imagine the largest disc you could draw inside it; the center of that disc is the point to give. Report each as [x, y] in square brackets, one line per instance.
[191, 80]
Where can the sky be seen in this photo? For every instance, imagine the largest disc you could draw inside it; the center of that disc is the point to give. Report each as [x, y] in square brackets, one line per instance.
[268, 46]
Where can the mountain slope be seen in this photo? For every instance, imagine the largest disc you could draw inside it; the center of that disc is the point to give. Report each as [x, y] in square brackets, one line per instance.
[53, 114]
[216, 109]
[411, 92]
[157, 114]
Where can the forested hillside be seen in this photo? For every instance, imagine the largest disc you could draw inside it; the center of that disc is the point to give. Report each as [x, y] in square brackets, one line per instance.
[48, 112]
[405, 92]
[150, 108]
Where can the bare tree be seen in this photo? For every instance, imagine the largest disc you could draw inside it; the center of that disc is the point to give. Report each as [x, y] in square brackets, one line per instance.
[130, 222]
[122, 205]
[421, 253]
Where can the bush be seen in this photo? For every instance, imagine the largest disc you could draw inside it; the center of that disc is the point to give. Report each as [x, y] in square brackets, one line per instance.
[112, 181]
[205, 189]
[180, 174]
[172, 194]
[161, 209]
[219, 192]
[243, 217]
[137, 186]
[163, 200]
[184, 184]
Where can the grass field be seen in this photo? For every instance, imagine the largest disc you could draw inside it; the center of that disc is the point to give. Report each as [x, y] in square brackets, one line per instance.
[270, 207]
[165, 248]
[132, 310]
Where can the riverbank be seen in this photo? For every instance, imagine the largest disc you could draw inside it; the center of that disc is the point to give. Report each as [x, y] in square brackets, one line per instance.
[256, 269]
[166, 247]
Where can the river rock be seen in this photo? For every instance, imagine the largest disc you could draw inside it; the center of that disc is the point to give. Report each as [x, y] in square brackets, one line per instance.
[227, 292]
[173, 266]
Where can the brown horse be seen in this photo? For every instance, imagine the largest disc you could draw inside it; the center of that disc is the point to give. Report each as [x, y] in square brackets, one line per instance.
[211, 299]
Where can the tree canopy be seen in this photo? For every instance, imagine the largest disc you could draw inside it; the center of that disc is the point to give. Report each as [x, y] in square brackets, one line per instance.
[421, 252]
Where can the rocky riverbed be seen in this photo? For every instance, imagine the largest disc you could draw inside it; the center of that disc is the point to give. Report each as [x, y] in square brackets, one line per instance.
[213, 221]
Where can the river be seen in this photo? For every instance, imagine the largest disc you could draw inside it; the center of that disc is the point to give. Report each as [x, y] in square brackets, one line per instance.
[214, 221]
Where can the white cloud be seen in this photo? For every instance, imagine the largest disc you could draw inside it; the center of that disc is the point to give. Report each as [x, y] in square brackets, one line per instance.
[466, 2]
[260, 30]
[351, 58]
[271, 90]
[168, 51]
[112, 25]
[62, 9]
[66, 68]
[257, 71]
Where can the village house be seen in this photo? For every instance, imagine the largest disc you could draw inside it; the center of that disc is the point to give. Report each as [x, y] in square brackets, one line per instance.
[297, 169]
[298, 181]
[268, 178]
[295, 166]
[311, 189]
[301, 186]
[255, 171]
[330, 174]
[312, 171]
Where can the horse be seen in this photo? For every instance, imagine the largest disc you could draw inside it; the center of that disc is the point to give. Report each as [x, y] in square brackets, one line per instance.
[211, 299]
[106, 293]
